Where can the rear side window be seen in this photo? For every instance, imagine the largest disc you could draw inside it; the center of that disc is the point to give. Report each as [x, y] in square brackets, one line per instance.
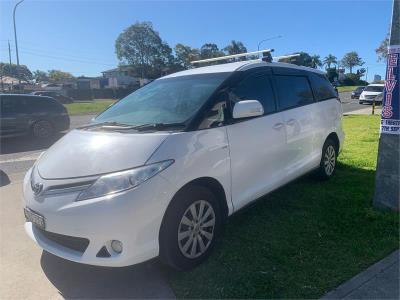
[255, 87]
[323, 89]
[293, 91]
[41, 104]
[13, 104]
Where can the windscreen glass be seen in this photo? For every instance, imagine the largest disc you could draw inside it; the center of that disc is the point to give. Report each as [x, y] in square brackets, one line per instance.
[169, 100]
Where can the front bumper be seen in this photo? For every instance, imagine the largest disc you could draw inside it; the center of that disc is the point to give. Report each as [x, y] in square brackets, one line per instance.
[133, 217]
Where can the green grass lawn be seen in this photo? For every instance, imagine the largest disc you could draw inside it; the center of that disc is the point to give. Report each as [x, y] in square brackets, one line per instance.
[304, 239]
[347, 88]
[90, 107]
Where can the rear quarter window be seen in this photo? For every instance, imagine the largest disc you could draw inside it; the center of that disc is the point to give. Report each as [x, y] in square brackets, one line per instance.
[293, 91]
[44, 104]
[322, 88]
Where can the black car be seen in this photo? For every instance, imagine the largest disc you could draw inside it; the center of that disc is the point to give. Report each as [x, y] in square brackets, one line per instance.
[357, 92]
[60, 98]
[27, 114]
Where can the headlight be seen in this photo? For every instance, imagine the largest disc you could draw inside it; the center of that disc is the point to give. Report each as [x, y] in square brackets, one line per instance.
[122, 181]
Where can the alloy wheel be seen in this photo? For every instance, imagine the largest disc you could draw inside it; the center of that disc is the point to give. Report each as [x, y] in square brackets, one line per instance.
[42, 129]
[196, 229]
[329, 160]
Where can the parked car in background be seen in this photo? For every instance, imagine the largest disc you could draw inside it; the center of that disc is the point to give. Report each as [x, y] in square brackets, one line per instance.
[379, 99]
[28, 114]
[60, 98]
[160, 171]
[357, 92]
[370, 92]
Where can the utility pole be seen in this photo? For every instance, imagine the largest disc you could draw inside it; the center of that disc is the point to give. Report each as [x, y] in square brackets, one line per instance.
[387, 181]
[15, 36]
[9, 52]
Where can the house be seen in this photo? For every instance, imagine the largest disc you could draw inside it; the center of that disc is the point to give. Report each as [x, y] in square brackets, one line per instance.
[121, 77]
[8, 82]
[87, 83]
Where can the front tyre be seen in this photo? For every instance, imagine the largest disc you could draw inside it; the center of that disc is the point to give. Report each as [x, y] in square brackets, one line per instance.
[190, 227]
[42, 129]
[328, 162]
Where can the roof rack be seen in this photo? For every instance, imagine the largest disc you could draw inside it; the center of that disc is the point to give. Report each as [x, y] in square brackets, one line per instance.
[265, 51]
[286, 56]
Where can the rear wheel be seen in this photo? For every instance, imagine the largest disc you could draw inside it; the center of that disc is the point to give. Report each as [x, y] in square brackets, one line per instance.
[190, 227]
[42, 129]
[328, 162]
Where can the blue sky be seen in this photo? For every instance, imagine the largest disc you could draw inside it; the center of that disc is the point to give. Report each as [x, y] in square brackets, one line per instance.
[78, 36]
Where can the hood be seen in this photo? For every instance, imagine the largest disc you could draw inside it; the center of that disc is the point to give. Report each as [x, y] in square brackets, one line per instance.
[86, 153]
[368, 93]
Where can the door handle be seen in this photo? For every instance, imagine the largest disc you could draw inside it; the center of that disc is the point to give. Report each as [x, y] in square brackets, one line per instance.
[277, 126]
[291, 122]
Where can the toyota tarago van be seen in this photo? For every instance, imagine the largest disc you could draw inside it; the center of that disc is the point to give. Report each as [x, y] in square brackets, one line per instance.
[159, 172]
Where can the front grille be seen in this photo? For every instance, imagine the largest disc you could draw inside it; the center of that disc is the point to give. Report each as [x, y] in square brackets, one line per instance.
[370, 96]
[70, 242]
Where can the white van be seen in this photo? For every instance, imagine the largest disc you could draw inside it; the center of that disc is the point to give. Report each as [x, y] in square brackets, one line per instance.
[370, 92]
[159, 172]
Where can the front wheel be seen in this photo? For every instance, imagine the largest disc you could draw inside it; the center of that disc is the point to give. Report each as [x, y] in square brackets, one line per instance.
[190, 227]
[328, 162]
[42, 129]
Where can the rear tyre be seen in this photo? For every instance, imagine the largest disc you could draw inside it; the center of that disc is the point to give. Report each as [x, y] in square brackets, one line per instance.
[190, 228]
[327, 166]
[360, 102]
[42, 129]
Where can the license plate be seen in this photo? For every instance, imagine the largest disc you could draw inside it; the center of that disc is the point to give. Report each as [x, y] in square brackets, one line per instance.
[35, 218]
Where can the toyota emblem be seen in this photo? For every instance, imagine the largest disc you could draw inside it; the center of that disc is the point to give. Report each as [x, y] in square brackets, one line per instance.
[37, 188]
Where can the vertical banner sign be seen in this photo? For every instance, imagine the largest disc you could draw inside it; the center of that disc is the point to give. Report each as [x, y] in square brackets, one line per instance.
[390, 122]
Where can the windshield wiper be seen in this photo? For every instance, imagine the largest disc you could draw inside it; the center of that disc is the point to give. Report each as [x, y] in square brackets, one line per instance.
[158, 126]
[111, 125]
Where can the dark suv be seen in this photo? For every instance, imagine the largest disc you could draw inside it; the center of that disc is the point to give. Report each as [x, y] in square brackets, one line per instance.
[26, 114]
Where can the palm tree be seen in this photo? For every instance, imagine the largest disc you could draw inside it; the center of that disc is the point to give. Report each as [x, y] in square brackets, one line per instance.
[316, 61]
[329, 60]
[235, 47]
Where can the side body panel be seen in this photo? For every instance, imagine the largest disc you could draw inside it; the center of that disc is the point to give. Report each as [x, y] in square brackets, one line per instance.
[257, 157]
[197, 154]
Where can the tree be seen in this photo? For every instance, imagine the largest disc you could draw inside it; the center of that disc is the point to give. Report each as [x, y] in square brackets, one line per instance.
[329, 60]
[40, 76]
[59, 76]
[141, 46]
[22, 72]
[185, 54]
[351, 60]
[316, 61]
[381, 51]
[210, 50]
[235, 47]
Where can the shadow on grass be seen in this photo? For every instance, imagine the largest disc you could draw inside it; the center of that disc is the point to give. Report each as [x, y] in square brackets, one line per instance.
[297, 242]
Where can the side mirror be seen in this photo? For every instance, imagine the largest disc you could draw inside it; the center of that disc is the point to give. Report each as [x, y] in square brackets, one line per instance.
[247, 108]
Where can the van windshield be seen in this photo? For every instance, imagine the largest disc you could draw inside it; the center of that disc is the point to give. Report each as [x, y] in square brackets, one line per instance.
[374, 88]
[164, 101]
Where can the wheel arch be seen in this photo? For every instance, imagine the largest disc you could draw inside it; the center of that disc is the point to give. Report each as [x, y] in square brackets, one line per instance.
[214, 186]
[335, 138]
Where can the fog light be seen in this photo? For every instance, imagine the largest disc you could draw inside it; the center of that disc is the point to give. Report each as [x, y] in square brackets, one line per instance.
[116, 246]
